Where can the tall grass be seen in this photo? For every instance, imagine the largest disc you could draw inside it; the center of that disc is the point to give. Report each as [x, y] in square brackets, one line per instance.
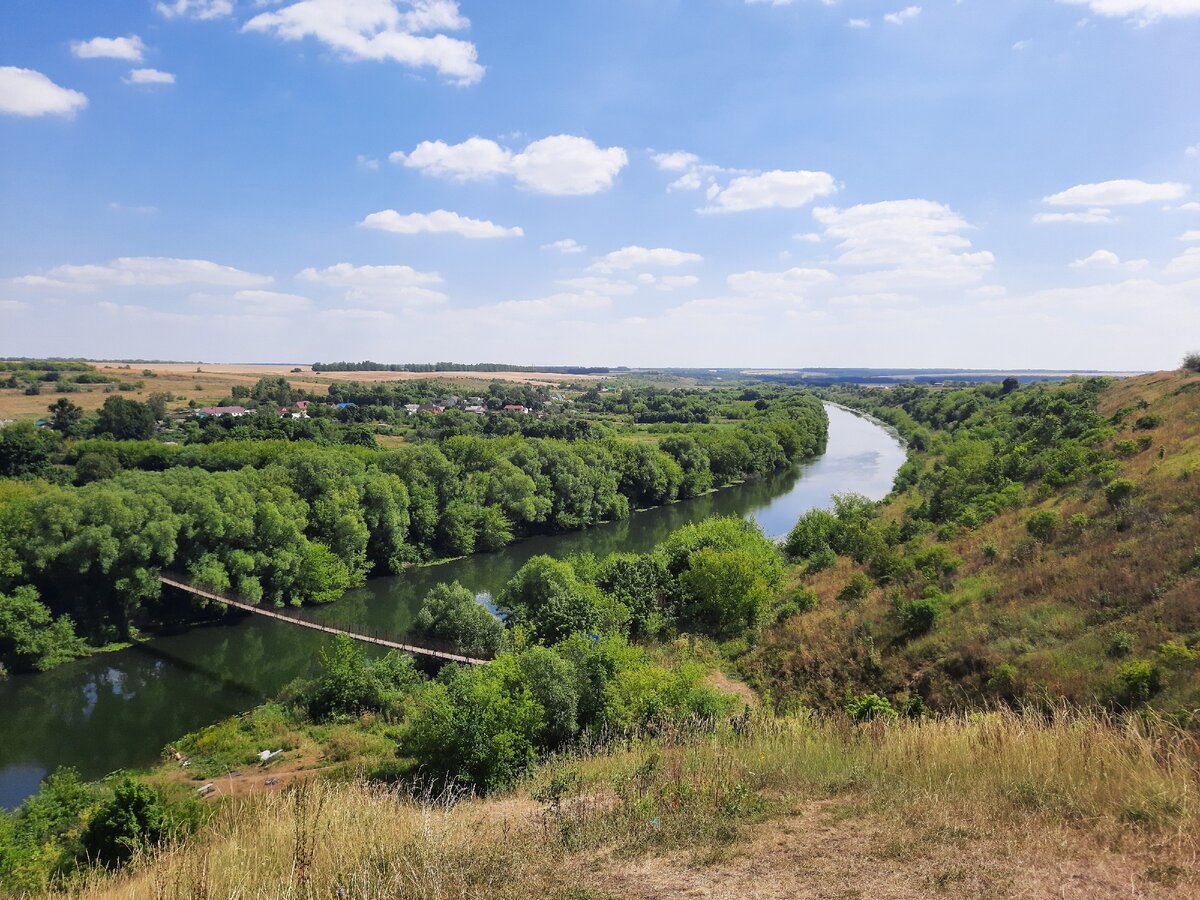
[1130, 783]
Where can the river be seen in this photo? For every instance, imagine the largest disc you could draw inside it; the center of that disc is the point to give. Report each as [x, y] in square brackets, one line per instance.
[119, 710]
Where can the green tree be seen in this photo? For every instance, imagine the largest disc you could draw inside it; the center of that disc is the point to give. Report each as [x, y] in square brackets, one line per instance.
[126, 420]
[31, 638]
[451, 612]
[64, 415]
[135, 817]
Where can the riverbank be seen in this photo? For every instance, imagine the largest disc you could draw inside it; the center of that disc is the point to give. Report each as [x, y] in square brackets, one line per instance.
[120, 710]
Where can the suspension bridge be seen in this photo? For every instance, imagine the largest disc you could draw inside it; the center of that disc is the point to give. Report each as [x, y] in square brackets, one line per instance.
[179, 583]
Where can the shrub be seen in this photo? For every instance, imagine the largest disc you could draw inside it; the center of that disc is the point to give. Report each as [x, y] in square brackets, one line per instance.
[1191, 362]
[1042, 524]
[917, 617]
[869, 706]
[1148, 423]
[989, 550]
[451, 612]
[135, 817]
[1003, 680]
[1137, 682]
[856, 589]
[351, 685]
[821, 560]
[1079, 523]
[1177, 653]
[1121, 644]
[1119, 491]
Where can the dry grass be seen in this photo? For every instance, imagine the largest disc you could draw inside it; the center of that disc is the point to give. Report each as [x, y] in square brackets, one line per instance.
[997, 804]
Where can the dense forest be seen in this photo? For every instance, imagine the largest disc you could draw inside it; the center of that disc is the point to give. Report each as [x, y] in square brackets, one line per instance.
[274, 517]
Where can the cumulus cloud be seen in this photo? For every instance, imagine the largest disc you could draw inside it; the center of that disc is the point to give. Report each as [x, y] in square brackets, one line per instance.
[793, 283]
[635, 257]
[149, 76]
[907, 243]
[1094, 216]
[195, 9]
[902, 16]
[146, 271]
[408, 32]
[1140, 10]
[1187, 263]
[566, 245]
[27, 92]
[378, 285]
[128, 48]
[1122, 192]
[1106, 259]
[563, 164]
[440, 221]
[770, 190]
[1190, 236]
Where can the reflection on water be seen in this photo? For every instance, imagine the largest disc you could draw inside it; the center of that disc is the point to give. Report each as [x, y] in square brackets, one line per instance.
[119, 709]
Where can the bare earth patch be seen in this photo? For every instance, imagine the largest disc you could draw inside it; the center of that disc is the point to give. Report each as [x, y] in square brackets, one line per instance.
[823, 852]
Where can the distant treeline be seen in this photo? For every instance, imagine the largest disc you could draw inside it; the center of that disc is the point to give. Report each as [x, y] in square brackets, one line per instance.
[369, 366]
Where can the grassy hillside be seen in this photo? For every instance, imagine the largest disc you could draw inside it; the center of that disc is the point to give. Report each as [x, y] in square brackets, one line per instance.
[998, 805]
[1084, 586]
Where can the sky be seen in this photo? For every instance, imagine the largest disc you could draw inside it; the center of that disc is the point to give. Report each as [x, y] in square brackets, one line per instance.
[726, 183]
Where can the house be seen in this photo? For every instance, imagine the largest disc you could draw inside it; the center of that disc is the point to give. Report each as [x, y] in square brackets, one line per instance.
[216, 411]
[517, 408]
[431, 408]
[477, 410]
[411, 408]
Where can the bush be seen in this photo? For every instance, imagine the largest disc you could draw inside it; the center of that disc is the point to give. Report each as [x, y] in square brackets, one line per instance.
[1042, 524]
[1148, 423]
[1191, 362]
[1119, 491]
[451, 613]
[135, 817]
[856, 589]
[917, 617]
[868, 707]
[1121, 644]
[1137, 682]
[990, 551]
[351, 685]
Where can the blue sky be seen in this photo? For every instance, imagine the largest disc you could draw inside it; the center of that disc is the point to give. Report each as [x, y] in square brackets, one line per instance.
[639, 182]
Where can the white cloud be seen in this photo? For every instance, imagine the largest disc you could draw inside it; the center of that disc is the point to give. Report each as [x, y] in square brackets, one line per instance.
[254, 303]
[146, 271]
[378, 285]
[1140, 10]
[1193, 151]
[1192, 206]
[381, 30]
[128, 48]
[641, 258]
[908, 243]
[1094, 216]
[1190, 236]
[1122, 192]
[12, 306]
[555, 304]
[439, 221]
[676, 282]
[676, 161]
[859, 23]
[26, 92]
[1100, 258]
[566, 245]
[902, 16]
[149, 76]
[793, 283]
[366, 163]
[775, 189]
[562, 164]
[1187, 263]
[1106, 259]
[591, 284]
[195, 9]
[1022, 45]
